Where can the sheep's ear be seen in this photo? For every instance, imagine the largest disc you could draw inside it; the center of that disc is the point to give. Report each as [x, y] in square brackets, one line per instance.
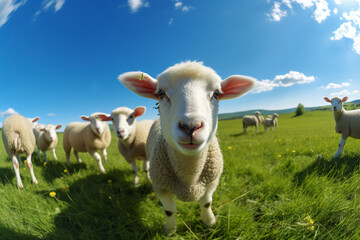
[235, 86]
[139, 111]
[58, 126]
[35, 119]
[105, 117]
[344, 99]
[42, 129]
[327, 99]
[140, 83]
[85, 118]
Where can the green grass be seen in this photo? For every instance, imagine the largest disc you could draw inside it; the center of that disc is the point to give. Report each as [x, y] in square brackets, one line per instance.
[270, 184]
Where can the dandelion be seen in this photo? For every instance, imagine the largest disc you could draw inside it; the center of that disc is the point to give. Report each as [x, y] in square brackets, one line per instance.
[229, 147]
[109, 181]
[311, 228]
[293, 151]
[65, 188]
[309, 223]
[52, 194]
[24, 169]
[279, 156]
[25, 161]
[45, 164]
[65, 170]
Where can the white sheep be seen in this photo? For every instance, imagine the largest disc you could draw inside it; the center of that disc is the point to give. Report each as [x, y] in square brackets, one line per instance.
[87, 137]
[185, 158]
[271, 122]
[36, 131]
[252, 120]
[18, 137]
[347, 122]
[132, 136]
[46, 139]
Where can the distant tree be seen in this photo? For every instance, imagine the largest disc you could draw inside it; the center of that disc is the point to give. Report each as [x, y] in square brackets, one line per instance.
[299, 110]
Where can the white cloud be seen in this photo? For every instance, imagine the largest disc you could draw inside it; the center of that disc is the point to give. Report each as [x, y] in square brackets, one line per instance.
[180, 6]
[337, 2]
[171, 21]
[7, 7]
[135, 5]
[287, 3]
[286, 80]
[51, 114]
[355, 92]
[9, 111]
[340, 94]
[336, 11]
[277, 13]
[56, 4]
[349, 29]
[322, 11]
[305, 3]
[335, 85]
[292, 78]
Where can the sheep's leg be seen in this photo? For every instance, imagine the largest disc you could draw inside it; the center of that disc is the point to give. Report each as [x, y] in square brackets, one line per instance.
[67, 153]
[207, 216]
[77, 156]
[97, 159]
[252, 128]
[146, 166]
[169, 207]
[54, 154]
[257, 129]
[341, 147]
[17, 172]
[134, 168]
[45, 156]
[19, 159]
[38, 152]
[104, 154]
[30, 166]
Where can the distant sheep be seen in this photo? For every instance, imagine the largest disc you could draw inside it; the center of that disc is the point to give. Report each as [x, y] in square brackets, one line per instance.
[252, 120]
[271, 122]
[185, 157]
[47, 139]
[347, 122]
[87, 137]
[132, 136]
[18, 137]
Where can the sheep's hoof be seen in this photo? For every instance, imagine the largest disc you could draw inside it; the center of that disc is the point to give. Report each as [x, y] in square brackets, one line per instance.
[169, 231]
[35, 182]
[20, 185]
[209, 222]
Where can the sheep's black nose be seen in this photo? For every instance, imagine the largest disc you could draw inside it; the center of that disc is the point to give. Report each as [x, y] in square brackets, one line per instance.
[189, 130]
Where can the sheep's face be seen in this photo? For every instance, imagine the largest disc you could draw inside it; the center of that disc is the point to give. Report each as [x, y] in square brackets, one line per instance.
[124, 121]
[336, 103]
[96, 123]
[188, 95]
[50, 132]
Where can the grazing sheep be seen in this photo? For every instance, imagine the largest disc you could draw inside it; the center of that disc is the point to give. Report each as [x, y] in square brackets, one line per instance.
[87, 137]
[271, 122]
[251, 120]
[132, 136]
[36, 131]
[347, 122]
[185, 158]
[47, 139]
[18, 137]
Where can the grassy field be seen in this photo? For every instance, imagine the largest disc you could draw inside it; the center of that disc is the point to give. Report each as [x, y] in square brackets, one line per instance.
[277, 185]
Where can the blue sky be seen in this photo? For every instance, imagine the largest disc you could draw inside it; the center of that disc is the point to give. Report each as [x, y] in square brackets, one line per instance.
[60, 59]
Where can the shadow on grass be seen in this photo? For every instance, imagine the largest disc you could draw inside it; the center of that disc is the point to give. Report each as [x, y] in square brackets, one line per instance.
[6, 233]
[245, 134]
[6, 176]
[55, 169]
[101, 207]
[339, 168]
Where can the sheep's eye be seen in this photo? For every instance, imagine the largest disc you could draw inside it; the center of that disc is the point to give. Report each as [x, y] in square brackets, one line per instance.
[161, 94]
[216, 94]
[131, 116]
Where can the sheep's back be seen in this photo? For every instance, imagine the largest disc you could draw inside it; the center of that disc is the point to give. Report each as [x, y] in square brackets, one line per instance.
[17, 125]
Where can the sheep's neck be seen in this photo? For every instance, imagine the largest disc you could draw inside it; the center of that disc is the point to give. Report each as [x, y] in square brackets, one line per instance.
[188, 168]
[129, 141]
[338, 115]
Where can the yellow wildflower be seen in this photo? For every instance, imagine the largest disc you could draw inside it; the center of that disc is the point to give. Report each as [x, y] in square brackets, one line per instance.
[229, 147]
[24, 169]
[65, 188]
[52, 194]
[279, 156]
[109, 181]
[311, 228]
[25, 161]
[65, 170]
[293, 151]
[45, 164]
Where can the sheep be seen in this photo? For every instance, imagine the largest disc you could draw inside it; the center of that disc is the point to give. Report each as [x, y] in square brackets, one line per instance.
[87, 137]
[18, 137]
[36, 131]
[47, 139]
[252, 120]
[271, 122]
[132, 136]
[347, 122]
[184, 153]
